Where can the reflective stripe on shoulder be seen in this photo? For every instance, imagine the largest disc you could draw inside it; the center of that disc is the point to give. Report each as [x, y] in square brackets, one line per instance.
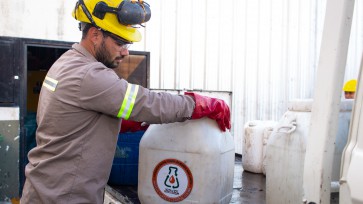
[128, 102]
[50, 83]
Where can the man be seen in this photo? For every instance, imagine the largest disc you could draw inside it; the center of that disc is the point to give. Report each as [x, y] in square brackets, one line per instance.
[349, 89]
[82, 102]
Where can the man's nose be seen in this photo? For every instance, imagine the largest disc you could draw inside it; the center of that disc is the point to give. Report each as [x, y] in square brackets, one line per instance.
[124, 52]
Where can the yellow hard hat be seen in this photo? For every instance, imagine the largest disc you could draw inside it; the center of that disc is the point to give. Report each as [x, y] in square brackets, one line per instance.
[116, 16]
[350, 86]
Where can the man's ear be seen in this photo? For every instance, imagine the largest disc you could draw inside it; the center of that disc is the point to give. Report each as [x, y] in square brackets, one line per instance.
[94, 34]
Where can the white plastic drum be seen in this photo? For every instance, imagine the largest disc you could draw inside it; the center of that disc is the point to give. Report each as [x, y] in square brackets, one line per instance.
[285, 152]
[189, 162]
[254, 144]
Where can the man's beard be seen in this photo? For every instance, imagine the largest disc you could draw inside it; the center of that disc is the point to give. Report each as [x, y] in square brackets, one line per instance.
[103, 56]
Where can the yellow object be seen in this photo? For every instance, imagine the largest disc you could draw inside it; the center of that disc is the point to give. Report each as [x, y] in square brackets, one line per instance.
[350, 86]
[109, 23]
[15, 201]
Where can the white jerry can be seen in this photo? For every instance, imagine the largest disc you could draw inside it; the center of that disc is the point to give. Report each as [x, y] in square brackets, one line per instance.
[255, 138]
[285, 151]
[266, 136]
[188, 162]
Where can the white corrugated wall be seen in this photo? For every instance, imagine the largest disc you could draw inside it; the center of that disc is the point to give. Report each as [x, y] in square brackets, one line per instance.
[265, 52]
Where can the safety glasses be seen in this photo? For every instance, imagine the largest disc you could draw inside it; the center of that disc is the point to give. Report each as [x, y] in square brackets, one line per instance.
[119, 41]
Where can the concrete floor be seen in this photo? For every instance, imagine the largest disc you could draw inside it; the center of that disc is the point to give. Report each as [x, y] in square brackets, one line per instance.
[248, 188]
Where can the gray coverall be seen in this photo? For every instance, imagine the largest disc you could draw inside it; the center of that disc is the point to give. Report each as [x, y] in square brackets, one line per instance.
[79, 115]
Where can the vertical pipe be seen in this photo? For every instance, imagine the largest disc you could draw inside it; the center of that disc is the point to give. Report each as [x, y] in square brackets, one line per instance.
[324, 118]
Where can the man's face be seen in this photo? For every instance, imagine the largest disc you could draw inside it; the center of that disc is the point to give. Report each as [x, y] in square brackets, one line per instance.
[349, 95]
[110, 52]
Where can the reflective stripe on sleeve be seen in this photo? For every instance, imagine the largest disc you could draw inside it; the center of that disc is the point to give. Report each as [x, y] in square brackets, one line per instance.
[128, 102]
[50, 83]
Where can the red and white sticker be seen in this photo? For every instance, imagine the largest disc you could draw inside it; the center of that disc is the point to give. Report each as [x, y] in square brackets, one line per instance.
[172, 180]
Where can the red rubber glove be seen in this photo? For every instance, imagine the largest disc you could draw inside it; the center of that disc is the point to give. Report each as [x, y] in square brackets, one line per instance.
[212, 108]
[132, 126]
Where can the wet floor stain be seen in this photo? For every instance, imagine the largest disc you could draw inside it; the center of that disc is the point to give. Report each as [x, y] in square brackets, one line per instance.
[248, 188]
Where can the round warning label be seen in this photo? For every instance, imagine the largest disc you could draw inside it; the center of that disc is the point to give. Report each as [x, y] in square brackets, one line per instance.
[172, 180]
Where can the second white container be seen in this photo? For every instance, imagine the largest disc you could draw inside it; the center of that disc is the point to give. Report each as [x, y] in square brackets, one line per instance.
[285, 152]
[254, 144]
